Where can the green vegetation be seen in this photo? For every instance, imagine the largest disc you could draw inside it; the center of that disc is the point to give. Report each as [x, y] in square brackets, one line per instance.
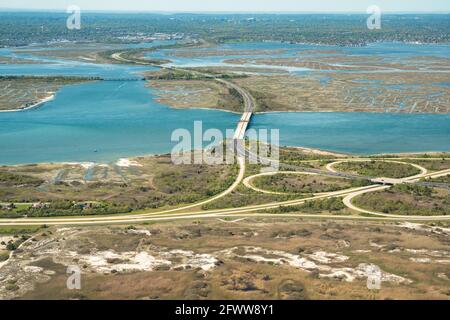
[405, 199]
[297, 183]
[291, 155]
[231, 100]
[315, 206]
[417, 191]
[174, 75]
[433, 165]
[378, 169]
[186, 74]
[444, 179]
[14, 245]
[266, 101]
[13, 180]
[193, 184]
[218, 72]
[69, 208]
[4, 256]
[242, 197]
[20, 230]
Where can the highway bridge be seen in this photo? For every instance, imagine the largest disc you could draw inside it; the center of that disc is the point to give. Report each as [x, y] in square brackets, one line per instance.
[124, 79]
[242, 125]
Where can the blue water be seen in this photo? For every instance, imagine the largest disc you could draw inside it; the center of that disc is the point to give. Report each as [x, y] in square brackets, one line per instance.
[104, 121]
[102, 117]
[360, 133]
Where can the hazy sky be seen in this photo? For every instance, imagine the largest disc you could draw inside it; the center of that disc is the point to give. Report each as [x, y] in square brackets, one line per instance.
[233, 5]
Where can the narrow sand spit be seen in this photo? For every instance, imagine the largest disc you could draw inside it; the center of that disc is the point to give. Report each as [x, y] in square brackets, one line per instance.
[35, 105]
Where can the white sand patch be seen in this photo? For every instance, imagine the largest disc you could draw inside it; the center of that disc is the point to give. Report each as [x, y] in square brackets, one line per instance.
[84, 165]
[443, 276]
[326, 257]
[33, 269]
[102, 261]
[66, 231]
[87, 165]
[285, 257]
[127, 163]
[348, 274]
[363, 271]
[432, 253]
[422, 227]
[5, 239]
[366, 269]
[140, 231]
[375, 245]
[107, 261]
[445, 261]
[421, 260]
[37, 104]
[203, 261]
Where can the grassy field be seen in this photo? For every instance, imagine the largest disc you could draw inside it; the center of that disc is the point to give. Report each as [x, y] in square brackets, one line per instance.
[444, 179]
[378, 169]
[433, 165]
[407, 200]
[195, 94]
[294, 183]
[328, 206]
[340, 92]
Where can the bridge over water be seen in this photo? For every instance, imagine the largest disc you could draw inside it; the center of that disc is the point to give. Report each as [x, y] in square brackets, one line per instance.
[124, 79]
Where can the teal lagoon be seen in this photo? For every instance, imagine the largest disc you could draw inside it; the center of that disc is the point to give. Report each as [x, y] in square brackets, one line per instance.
[98, 122]
[360, 133]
